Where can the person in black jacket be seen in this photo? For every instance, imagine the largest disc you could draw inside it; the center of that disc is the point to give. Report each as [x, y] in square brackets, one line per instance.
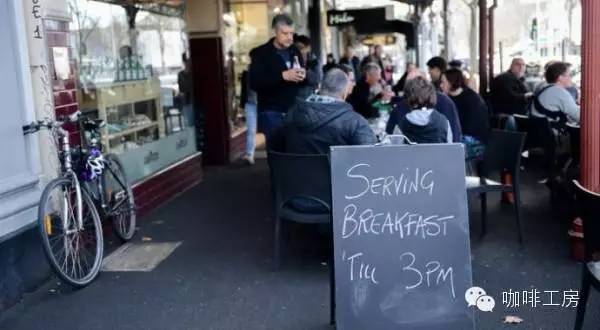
[472, 111]
[351, 60]
[436, 66]
[368, 90]
[399, 87]
[278, 73]
[325, 120]
[509, 94]
[313, 75]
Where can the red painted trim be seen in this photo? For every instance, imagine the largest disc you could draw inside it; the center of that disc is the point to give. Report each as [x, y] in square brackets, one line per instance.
[168, 184]
[590, 100]
[237, 146]
[483, 47]
[210, 94]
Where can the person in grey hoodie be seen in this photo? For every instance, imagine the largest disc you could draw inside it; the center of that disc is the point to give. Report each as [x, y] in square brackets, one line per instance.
[423, 124]
[324, 120]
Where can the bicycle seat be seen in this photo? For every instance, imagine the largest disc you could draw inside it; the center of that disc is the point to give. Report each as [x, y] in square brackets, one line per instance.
[93, 124]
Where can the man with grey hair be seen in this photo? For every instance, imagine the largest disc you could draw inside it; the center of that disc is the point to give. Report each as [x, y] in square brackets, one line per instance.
[368, 90]
[508, 91]
[278, 72]
[324, 120]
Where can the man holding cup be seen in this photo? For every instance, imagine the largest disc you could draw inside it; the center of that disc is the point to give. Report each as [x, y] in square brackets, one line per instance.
[277, 74]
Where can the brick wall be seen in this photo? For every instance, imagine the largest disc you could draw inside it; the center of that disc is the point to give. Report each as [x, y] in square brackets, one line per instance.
[64, 90]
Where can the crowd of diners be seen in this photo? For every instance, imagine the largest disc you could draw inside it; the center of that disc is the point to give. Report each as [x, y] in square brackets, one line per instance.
[303, 107]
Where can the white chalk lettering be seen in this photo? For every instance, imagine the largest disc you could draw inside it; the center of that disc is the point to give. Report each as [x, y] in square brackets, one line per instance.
[406, 183]
[349, 212]
[435, 274]
[365, 271]
[361, 177]
[359, 222]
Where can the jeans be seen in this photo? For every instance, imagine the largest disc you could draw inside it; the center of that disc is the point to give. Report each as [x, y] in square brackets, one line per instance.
[269, 121]
[251, 132]
[188, 114]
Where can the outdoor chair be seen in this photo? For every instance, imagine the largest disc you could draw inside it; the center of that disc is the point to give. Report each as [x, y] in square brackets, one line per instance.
[308, 177]
[588, 204]
[502, 154]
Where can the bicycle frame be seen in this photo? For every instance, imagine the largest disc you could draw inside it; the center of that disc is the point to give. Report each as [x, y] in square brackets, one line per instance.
[67, 159]
[99, 194]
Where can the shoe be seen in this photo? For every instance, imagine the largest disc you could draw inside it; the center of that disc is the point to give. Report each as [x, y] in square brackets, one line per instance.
[249, 159]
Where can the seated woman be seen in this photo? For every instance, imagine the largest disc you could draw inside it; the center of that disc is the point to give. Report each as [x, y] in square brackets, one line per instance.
[472, 112]
[423, 124]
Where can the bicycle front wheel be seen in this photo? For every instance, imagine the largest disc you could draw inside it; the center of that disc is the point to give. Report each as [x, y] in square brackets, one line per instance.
[74, 248]
[120, 198]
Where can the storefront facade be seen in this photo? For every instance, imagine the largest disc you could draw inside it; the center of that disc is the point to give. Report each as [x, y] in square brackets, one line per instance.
[119, 61]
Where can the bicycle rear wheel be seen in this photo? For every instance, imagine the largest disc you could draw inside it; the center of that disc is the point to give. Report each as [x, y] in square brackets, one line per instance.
[121, 205]
[74, 252]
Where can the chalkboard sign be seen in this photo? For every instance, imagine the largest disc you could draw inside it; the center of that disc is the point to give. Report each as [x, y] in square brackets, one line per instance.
[401, 237]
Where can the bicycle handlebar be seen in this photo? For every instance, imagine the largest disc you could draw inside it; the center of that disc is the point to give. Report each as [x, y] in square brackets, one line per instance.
[51, 124]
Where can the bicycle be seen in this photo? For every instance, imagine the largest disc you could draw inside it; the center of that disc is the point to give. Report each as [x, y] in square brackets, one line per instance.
[70, 213]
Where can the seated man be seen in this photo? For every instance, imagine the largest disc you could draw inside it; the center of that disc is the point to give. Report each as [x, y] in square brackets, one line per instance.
[367, 91]
[508, 92]
[555, 104]
[443, 105]
[554, 101]
[423, 124]
[321, 121]
[324, 120]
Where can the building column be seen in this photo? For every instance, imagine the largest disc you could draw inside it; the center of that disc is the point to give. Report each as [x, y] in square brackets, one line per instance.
[590, 87]
[210, 79]
[483, 47]
[314, 25]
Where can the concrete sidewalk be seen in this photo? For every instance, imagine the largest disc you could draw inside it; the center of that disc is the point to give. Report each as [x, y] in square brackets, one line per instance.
[220, 276]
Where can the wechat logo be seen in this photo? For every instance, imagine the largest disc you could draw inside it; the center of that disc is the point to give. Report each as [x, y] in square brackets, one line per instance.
[476, 296]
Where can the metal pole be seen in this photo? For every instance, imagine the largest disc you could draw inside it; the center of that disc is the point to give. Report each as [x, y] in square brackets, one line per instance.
[590, 83]
[416, 23]
[491, 39]
[501, 54]
[483, 47]
[446, 28]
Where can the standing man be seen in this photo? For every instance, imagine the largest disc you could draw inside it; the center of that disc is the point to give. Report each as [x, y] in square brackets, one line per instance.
[509, 94]
[351, 60]
[277, 71]
[376, 57]
[184, 81]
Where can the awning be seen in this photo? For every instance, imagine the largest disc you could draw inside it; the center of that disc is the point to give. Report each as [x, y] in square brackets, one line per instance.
[372, 21]
[161, 7]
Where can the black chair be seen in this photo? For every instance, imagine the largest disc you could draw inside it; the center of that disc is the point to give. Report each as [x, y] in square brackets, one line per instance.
[502, 154]
[588, 203]
[307, 177]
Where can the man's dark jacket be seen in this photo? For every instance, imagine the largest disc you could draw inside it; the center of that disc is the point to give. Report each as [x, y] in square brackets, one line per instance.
[312, 127]
[274, 93]
[508, 94]
[360, 100]
[444, 105]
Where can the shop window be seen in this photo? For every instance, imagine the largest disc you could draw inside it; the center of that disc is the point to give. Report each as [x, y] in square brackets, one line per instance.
[247, 26]
[131, 73]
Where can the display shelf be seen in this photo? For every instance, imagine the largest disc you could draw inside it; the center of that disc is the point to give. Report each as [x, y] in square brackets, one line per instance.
[131, 131]
[116, 102]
